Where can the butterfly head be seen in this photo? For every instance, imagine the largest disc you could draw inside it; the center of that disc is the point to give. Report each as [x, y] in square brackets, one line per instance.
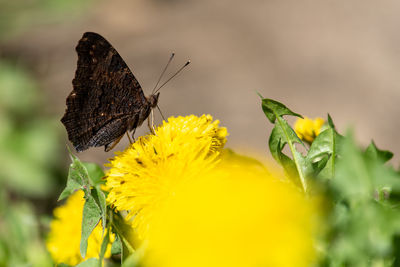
[153, 100]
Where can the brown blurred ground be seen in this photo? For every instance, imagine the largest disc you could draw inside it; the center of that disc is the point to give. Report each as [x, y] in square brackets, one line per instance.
[341, 57]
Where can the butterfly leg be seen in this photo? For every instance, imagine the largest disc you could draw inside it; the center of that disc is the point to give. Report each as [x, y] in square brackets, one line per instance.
[130, 140]
[151, 123]
[133, 135]
[110, 146]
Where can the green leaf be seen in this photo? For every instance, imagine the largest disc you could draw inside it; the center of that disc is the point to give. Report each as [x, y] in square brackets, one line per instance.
[95, 206]
[290, 168]
[319, 166]
[330, 122]
[104, 244]
[101, 201]
[91, 217]
[116, 247]
[359, 175]
[375, 153]
[78, 178]
[363, 221]
[281, 135]
[71, 187]
[273, 109]
[322, 153]
[92, 262]
[396, 250]
[95, 172]
[125, 233]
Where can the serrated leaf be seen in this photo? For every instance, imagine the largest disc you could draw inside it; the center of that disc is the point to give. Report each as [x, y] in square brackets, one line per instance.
[273, 109]
[92, 262]
[374, 152]
[362, 223]
[281, 135]
[91, 217]
[367, 174]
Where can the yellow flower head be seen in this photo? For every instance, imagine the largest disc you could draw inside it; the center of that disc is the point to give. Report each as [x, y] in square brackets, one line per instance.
[233, 216]
[307, 129]
[152, 168]
[64, 237]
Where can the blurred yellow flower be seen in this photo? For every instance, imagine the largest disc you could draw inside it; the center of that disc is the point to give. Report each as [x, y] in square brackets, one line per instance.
[232, 216]
[307, 129]
[194, 205]
[151, 169]
[64, 237]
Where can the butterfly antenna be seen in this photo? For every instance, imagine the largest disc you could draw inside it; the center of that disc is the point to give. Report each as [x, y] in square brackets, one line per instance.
[160, 112]
[176, 73]
[162, 73]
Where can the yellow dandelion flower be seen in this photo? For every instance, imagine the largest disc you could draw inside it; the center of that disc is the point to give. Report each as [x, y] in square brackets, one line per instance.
[65, 233]
[232, 216]
[307, 129]
[147, 172]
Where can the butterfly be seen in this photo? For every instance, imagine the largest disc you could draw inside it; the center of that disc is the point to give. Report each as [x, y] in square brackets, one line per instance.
[106, 101]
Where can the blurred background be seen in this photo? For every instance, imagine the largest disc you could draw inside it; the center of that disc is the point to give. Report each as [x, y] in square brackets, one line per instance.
[341, 57]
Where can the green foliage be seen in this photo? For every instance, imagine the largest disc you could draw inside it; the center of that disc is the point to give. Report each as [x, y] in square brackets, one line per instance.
[375, 153]
[26, 138]
[362, 193]
[19, 16]
[91, 217]
[92, 262]
[87, 177]
[29, 152]
[363, 224]
[20, 236]
[116, 247]
[296, 166]
[78, 178]
[320, 157]
[124, 234]
[29, 140]
[104, 244]
[324, 150]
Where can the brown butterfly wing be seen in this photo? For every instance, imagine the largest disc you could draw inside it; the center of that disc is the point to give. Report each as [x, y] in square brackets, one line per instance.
[106, 96]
